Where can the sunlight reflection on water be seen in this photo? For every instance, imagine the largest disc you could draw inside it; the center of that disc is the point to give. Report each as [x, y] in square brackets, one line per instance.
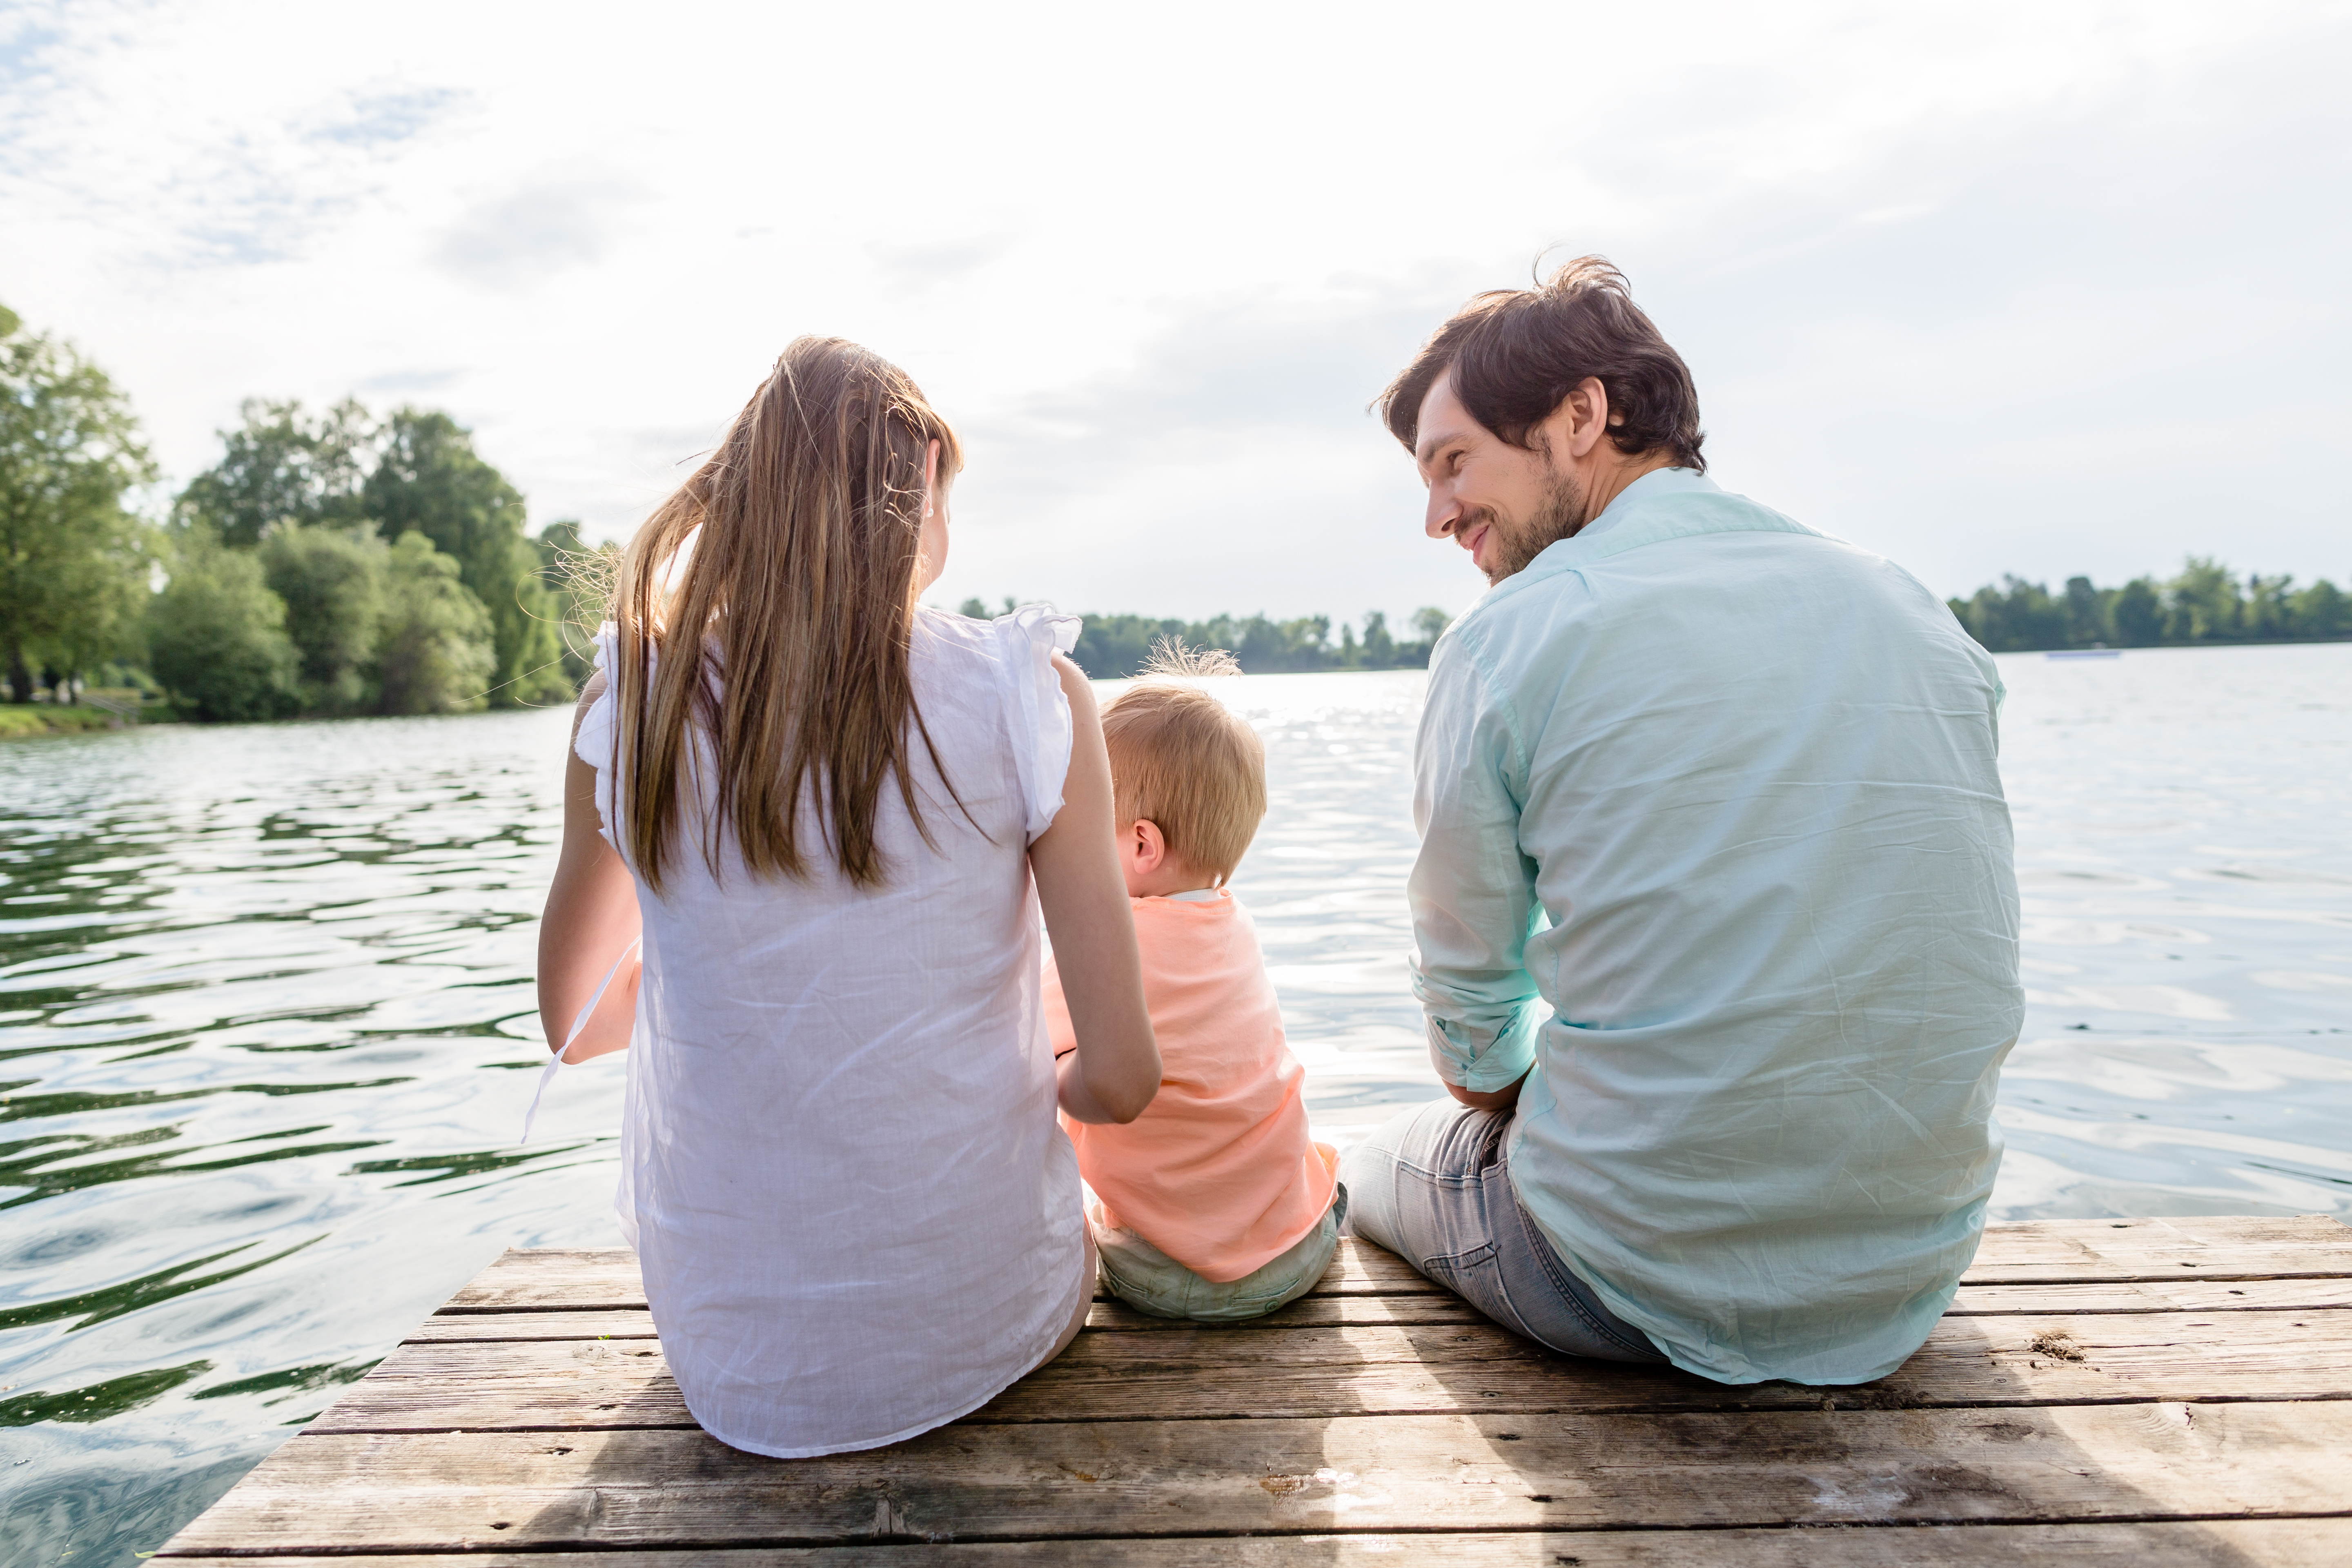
[265, 1038]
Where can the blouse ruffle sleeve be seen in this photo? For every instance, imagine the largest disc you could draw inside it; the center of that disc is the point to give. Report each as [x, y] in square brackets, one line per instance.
[1027, 640]
[594, 742]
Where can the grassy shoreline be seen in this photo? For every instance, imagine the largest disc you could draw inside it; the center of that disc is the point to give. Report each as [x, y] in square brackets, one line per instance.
[30, 721]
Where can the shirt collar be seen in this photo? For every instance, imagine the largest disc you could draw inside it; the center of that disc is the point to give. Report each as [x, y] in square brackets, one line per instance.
[1652, 485]
[1559, 555]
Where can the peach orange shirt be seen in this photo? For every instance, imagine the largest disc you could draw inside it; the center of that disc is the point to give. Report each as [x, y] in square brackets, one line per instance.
[1218, 1172]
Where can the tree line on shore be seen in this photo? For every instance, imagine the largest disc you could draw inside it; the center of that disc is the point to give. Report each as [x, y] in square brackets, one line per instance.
[330, 564]
[2206, 603]
[343, 563]
[1112, 648]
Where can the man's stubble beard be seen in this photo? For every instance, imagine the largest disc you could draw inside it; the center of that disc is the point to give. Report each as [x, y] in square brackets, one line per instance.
[1559, 517]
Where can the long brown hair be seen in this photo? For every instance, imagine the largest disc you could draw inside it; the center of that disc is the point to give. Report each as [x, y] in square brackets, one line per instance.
[778, 588]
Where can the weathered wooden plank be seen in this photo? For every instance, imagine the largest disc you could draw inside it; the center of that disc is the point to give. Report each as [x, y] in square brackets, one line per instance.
[1983, 1360]
[2165, 1294]
[2230, 1247]
[2219, 1544]
[541, 1278]
[548, 1323]
[2041, 1251]
[468, 1491]
[545, 1278]
[2119, 1235]
[1191, 1373]
[1323, 1311]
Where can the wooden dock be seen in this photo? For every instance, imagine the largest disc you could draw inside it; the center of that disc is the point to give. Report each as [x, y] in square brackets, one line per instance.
[2104, 1392]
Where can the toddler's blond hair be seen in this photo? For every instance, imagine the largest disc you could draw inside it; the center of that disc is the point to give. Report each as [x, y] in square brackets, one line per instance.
[1182, 760]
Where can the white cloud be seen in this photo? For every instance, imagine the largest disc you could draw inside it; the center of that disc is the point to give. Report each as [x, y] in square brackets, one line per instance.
[1994, 287]
[514, 241]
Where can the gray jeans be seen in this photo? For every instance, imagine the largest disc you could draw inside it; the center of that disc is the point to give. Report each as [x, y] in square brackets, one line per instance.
[1434, 1186]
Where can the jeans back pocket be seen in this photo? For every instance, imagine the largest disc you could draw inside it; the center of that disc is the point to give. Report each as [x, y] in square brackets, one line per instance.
[1457, 1271]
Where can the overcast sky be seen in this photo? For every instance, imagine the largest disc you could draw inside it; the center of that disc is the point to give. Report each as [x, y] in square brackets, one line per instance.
[2038, 287]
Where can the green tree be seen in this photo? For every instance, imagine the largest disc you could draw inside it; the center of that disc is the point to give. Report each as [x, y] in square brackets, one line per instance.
[429, 479]
[1431, 622]
[72, 555]
[2269, 606]
[2088, 613]
[2322, 611]
[1268, 646]
[2139, 614]
[1112, 648]
[216, 635]
[107, 590]
[2204, 603]
[333, 581]
[574, 573]
[281, 467]
[436, 650]
[2022, 616]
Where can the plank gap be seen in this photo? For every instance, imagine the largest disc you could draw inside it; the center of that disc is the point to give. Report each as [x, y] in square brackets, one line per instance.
[982, 1418]
[1326, 1530]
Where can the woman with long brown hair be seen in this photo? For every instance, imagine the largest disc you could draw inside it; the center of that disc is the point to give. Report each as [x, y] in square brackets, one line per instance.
[831, 816]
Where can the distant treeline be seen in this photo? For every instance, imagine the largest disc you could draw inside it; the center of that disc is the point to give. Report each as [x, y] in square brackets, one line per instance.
[346, 564]
[343, 563]
[336, 563]
[2205, 603]
[1113, 647]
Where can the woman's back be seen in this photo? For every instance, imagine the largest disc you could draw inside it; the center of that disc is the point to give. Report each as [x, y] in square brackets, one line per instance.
[838, 818]
[855, 1211]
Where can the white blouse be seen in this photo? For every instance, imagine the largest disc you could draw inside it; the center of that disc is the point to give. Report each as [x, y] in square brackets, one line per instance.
[856, 1213]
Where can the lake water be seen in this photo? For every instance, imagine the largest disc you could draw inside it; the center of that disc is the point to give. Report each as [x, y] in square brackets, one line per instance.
[266, 1034]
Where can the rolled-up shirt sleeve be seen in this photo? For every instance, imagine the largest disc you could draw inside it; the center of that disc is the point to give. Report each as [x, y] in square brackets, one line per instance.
[1473, 892]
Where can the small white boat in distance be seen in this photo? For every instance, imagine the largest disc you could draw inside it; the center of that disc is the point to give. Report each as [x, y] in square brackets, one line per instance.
[2096, 651]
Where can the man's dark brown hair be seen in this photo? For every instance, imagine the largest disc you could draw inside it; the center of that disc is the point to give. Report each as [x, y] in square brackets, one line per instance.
[1517, 353]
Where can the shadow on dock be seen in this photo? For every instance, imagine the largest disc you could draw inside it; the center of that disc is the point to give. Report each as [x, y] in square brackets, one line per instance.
[1659, 1449]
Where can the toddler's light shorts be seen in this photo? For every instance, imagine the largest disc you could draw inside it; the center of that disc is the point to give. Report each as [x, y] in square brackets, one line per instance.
[1148, 1279]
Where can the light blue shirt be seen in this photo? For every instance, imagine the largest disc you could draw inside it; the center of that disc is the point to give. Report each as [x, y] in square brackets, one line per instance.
[1713, 840]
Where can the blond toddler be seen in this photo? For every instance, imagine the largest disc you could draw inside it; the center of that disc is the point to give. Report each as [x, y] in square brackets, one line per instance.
[1214, 1205]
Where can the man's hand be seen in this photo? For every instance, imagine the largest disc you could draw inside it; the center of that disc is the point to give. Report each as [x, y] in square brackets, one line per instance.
[1493, 1098]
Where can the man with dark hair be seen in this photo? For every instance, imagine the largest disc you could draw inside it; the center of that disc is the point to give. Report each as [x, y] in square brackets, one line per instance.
[1715, 918]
